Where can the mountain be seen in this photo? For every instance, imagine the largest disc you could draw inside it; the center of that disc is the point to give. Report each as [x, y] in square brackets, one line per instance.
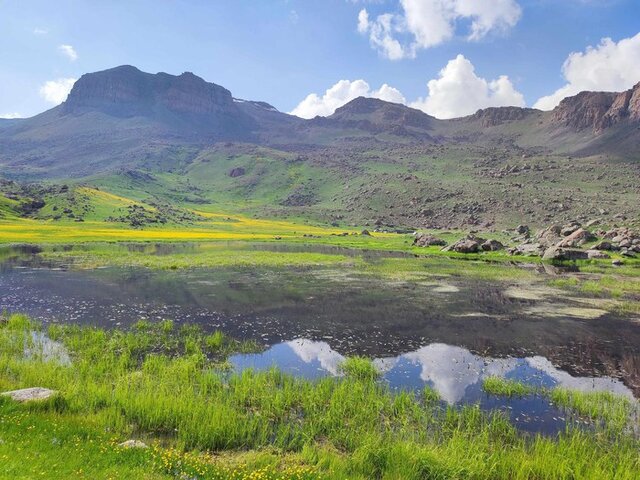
[189, 142]
[599, 111]
[123, 116]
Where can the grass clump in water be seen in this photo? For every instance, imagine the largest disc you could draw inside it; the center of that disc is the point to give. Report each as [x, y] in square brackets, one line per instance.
[506, 387]
[614, 410]
[360, 368]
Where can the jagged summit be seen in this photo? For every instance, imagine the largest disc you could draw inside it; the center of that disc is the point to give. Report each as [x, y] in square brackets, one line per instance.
[598, 110]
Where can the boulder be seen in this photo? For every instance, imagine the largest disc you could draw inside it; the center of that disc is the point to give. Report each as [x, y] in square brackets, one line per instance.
[30, 394]
[522, 230]
[427, 240]
[604, 245]
[558, 253]
[528, 249]
[366, 233]
[549, 236]
[470, 244]
[237, 172]
[577, 238]
[569, 229]
[597, 254]
[133, 444]
[491, 246]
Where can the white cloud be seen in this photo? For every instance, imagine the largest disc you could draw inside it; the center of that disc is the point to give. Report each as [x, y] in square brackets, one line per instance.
[343, 92]
[459, 91]
[56, 91]
[608, 66]
[40, 31]
[10, 115]
[69, 52]
[426, 23]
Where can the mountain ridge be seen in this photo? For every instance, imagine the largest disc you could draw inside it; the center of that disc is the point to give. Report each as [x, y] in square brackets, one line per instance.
[182, 140]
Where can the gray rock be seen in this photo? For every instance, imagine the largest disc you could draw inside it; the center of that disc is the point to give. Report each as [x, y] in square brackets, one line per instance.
[549, 236]
[30, 394]
[237, 172]
[492, 246]
[427, 240]
[576, 238]
[569, 229]
[133, 444]
[528, 249]
[558, 253]
[470, 244]
[604, 245]
[597, 254]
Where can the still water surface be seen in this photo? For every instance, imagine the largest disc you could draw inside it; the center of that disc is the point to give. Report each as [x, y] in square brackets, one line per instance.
[447, 333]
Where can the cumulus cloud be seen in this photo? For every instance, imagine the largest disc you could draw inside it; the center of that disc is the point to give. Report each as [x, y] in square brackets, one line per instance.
[459, 91]
[609, 66]
[10, 115]
[69, 52]
[426, 23]
[343, 92]
[56, 91]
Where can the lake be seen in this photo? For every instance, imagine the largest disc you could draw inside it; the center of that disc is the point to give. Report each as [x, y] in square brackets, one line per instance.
[447, 332]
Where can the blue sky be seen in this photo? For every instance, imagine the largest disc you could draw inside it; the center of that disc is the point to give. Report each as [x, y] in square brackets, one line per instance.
[281, 51]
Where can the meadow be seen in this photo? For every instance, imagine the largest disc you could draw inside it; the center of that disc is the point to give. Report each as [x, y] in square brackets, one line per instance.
[170, 387]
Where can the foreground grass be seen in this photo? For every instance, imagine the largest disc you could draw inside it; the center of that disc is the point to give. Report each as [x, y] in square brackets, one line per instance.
[169, 387]
[613, 411]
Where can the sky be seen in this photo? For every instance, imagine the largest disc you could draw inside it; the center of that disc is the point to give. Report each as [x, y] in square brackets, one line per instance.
[308, 57]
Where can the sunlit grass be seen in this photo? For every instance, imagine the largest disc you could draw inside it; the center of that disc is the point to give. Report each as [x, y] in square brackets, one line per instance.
[506, 388]
[163, 384]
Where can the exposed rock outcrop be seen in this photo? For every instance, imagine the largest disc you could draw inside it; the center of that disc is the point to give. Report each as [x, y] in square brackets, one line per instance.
[428, 240]
[598, 110]
[490, 117]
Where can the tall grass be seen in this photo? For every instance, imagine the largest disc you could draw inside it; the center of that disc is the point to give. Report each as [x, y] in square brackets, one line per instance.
[164, 383]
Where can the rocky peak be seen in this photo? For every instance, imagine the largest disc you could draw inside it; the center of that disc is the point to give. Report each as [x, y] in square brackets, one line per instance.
[127, 91]
[598, 110]
[490, 117]
[382, 114]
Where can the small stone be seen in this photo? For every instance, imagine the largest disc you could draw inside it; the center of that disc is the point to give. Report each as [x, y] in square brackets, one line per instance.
[133, 444]
[30, 394]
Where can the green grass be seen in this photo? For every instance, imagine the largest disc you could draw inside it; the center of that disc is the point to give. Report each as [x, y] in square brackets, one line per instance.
[612, 410]
[168, 386]
[506, 387]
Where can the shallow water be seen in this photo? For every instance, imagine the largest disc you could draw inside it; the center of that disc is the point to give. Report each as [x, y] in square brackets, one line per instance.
[448, 333]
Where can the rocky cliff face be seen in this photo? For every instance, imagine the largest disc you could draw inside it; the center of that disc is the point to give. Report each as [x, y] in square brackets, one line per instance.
[598, 110]
[490, 117]
[127, 91]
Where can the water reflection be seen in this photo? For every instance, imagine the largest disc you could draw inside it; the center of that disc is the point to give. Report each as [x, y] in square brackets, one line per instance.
[474, 325]
[454, 372]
